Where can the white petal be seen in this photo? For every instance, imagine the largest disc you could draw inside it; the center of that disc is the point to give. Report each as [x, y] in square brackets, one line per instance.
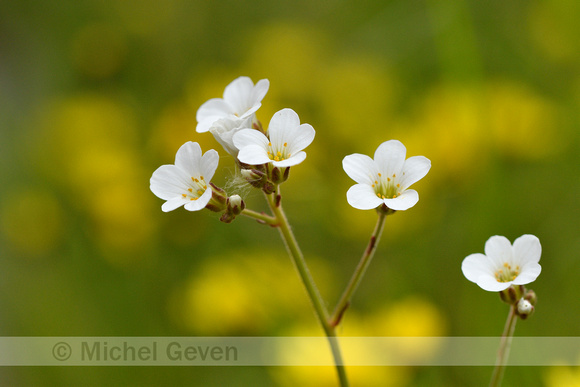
[172, 204]
[390, 157]
[414, 169]
[404, 201]
[168, 181]
[299, 138]
[211, 111]
[224, 129]
[200, 203]
[499, 250]
[362, 197]
[527, 249]
[360, 168]
[474, 266]
[282, 121]
[253, 155]
[296, 159]
[246, 137]
[188, 158]
[238, 90]
[528, 274]
[489, 283]
[259, 91]
[209, 163]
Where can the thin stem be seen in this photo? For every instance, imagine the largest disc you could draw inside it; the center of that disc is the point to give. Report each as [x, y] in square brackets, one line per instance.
[274, 200]
[260, 216]
[363, 264]
[504, 347]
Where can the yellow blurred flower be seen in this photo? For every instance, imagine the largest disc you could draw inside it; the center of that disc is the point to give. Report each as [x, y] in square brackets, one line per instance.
[523, 124]
[249, 293]
[88, 144]
[562, 376]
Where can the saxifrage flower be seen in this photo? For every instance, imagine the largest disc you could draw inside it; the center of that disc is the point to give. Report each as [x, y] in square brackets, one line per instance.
[504, 265]
[240, 100]
[386, 179]
[283, 147]
[186, 182]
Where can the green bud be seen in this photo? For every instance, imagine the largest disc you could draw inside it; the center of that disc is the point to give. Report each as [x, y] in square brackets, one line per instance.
[531, 297]
[255, 177]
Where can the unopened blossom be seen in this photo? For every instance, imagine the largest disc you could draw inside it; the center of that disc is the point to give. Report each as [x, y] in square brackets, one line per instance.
[186, 183]
[386, 178]
[504, 264]
[224, 129]
[240, 100]
[283, 147]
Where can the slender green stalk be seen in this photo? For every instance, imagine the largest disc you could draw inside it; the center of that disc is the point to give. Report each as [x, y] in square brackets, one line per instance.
[304, 273]
[259, 216]
[359, 272]
[504, 348]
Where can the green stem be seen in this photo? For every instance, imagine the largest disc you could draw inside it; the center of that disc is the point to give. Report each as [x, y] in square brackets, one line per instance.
[260, 216]
[304, 273]
[363, 264]
[504, 347]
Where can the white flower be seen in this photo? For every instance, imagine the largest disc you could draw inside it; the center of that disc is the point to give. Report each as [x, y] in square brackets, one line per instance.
[385, 179]
[224, 129]
[283, 148]
[504, 265]
[186, 182]
[241, 99]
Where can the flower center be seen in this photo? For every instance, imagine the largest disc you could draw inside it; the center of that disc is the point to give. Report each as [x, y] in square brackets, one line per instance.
[387, 187]
[506, 273]
[196, 190]
[278, 154]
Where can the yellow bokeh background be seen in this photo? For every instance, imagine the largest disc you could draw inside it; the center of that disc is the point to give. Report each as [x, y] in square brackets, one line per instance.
[95, 95]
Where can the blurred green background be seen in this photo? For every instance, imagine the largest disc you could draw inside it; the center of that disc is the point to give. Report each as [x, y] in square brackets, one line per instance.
[95, 95]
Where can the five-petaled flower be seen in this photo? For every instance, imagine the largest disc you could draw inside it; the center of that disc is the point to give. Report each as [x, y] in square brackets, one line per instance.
[241, 99]
[186, 182]
[284, 145]
[386, 179]
[504, 265]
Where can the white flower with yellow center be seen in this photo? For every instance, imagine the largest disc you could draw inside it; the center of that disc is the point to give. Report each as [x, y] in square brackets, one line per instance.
[284, 145]
[504, 265]
[186, 182]
[386, 179]
[241, 99]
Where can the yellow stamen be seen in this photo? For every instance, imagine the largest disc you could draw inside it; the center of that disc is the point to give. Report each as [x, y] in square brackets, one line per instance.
[285, 144]
[184, 195]
[190, 190]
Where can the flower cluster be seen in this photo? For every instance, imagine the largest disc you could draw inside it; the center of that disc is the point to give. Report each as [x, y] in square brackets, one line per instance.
[264, 157]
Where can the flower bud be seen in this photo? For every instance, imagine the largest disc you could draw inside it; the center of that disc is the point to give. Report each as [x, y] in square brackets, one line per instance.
[235, 204]
[253, 176]
[531, 297]
[525, 308]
